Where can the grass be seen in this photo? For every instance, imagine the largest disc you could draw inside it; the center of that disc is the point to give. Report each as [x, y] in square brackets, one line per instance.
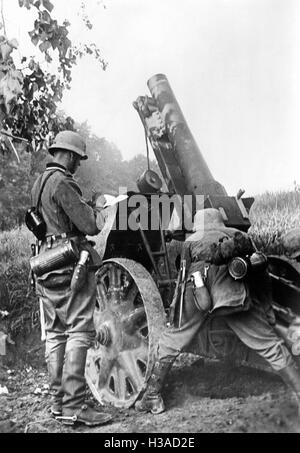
[16, 297]
[15, 248]
[272, 214]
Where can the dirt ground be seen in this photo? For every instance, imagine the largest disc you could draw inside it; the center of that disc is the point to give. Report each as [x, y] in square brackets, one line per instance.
[201, 396]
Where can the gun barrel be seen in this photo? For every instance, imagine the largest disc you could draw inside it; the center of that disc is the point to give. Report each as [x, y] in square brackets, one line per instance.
[196, 173]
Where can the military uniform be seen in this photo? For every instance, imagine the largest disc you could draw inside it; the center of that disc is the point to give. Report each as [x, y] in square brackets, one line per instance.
[67, 216]
[68, 314]
[245, 305]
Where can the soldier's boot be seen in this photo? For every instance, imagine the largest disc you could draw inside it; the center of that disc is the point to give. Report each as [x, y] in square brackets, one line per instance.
[55, 363]
[291, 376]
[74, 408]
[151, 400]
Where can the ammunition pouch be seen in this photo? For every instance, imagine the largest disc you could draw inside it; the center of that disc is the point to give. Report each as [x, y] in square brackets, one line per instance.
[54, 258]
[35, 223]
[201, 295]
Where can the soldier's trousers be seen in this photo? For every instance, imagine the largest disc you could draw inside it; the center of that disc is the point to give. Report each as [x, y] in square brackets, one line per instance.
[68, 316]
[252, 328]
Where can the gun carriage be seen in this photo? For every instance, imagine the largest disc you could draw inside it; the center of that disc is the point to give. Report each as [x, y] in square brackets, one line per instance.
[136, 282]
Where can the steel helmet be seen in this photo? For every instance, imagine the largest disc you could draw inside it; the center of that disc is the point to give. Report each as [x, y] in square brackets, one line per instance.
[70, 141]
[208, 219]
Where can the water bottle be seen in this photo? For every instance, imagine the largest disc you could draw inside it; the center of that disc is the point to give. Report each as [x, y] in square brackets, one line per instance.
[201, 294]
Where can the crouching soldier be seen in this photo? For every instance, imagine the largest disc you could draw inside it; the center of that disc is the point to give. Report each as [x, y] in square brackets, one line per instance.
[68, 303]
[244, 303]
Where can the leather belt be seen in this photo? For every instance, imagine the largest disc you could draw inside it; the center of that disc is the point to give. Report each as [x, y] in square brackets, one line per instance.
[55, 237]
[49, 239]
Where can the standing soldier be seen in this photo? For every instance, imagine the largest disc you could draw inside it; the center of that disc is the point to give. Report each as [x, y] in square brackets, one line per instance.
[68, 307]
[245, 305]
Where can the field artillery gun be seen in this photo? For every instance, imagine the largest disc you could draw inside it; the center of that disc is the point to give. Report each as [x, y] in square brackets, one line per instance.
[136, 282]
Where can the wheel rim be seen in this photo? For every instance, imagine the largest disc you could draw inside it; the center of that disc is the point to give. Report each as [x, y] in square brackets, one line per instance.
[130, 316]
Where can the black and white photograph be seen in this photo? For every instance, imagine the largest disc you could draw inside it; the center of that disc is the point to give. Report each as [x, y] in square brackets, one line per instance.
[149, 219]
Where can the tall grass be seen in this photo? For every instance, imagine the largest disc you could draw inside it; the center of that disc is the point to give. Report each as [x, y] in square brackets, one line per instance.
[16, 297]
[272, 215]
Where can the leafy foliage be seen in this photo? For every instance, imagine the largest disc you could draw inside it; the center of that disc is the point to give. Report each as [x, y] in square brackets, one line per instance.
[29, 94]
[15, 187]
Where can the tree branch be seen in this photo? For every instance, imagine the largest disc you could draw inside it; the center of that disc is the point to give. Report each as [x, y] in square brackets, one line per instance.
[13, 136]
[3, 21]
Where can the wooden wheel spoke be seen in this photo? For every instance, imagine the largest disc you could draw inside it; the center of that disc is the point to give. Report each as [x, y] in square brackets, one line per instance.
[115, 277]
[101, 295]
[120, 383]
[131, 363]
[133, 320]
[131, 292]
[103, 367]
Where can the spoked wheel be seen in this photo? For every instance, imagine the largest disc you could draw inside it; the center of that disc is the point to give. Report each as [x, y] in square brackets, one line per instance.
[129, 318]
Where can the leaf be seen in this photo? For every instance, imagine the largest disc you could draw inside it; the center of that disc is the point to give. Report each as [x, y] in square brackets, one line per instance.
[48, 5]
[35, 87]
[44, 46]
[13, 43]
[11, 87]
[32, 65]
[6, 50]
[27, 3]
[65, 44]
[47, 57]
[34, 37]
[54, 43]
[46, 17]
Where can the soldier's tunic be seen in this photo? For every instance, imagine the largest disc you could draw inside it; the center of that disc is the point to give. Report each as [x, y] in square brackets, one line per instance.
[68, 315]
[245, 305]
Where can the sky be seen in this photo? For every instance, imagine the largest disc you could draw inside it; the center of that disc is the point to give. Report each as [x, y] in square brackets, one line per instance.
[233, 66]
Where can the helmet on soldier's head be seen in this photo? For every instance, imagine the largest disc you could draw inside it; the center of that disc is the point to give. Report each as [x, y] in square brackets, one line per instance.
[208, 219]
[291, 243]
[69, 141]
